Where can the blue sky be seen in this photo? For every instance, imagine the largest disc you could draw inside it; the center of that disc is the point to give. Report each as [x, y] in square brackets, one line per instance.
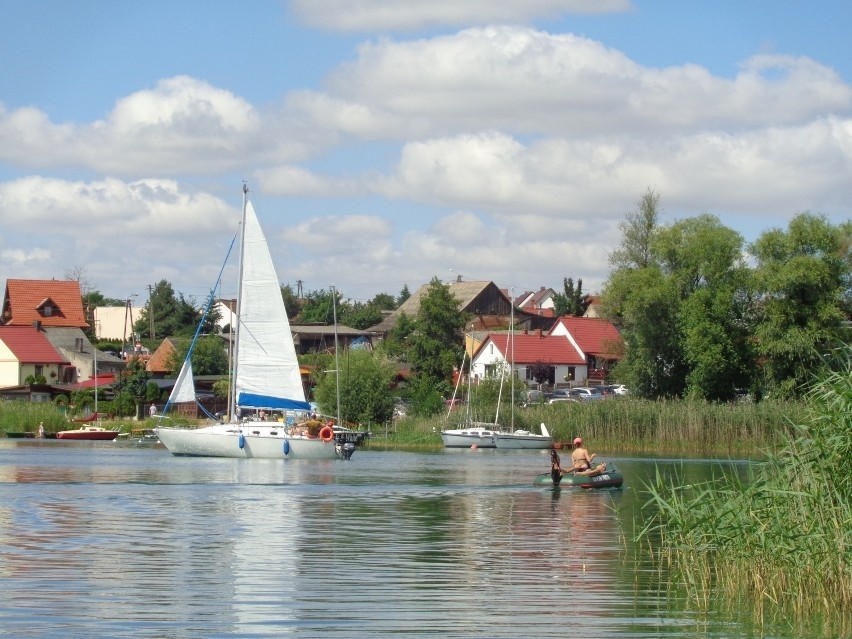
[388, 142]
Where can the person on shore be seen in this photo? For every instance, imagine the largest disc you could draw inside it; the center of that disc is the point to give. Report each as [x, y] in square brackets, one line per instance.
[581, 461]
[152, 411]
[40, 430]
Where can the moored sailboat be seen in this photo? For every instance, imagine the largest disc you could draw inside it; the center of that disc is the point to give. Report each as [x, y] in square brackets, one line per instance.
[266, 374]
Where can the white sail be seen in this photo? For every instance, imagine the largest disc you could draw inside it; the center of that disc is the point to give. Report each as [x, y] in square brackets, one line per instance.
[266, 374]
[184, 388]
[267, 370]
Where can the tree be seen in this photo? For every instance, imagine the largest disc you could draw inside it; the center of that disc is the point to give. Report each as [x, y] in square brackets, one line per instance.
[404, 294]
[396, 344]
[572, 301]
[172, 315]
[319, 307]
[291, 302]
[208, 357]
[682, 295]
[435, 345]
[803, 278]
[365, 382]
[637, 233]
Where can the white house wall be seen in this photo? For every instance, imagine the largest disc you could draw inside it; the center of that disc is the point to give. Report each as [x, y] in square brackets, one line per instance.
[115, 322]
[491, 355]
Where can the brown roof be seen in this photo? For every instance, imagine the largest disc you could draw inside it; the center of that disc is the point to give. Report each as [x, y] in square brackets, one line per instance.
[54, 303]
[464, 292]
[159, 361]
[30, 346]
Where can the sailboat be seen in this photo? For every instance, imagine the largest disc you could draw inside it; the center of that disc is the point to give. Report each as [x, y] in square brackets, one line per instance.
[520, 439]
[471, 434]
[266, 374]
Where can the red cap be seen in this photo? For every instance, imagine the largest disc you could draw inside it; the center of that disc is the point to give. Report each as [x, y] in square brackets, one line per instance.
[578, 441]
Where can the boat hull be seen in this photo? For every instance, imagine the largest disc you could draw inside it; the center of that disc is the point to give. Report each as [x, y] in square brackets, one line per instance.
[479, 436]
[524, 441]
[609, 478]
[89, 433]
[253, 442]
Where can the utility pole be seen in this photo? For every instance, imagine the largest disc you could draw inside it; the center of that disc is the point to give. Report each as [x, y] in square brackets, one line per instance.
[151, 310]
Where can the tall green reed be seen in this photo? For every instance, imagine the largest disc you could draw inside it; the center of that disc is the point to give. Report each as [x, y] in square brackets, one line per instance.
[780, 540]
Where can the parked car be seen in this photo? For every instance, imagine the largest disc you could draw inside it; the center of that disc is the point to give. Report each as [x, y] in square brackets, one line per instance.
[586, 394]
[620, 389]
[563, 400]
[560, 392]
[534, 396]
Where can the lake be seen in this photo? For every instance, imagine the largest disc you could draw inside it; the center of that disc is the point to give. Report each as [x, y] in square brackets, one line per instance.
[114, 540]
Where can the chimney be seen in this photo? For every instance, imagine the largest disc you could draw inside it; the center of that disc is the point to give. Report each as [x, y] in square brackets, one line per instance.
[37, 325]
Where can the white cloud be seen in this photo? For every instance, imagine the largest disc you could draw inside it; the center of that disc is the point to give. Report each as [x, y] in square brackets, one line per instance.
[381, 15]
[530, 82]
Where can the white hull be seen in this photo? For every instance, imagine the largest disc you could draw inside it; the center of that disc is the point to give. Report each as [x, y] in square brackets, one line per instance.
[519, 440]
[259, 442]
[481, 437]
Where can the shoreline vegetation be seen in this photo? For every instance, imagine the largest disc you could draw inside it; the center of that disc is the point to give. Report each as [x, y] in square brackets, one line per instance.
[782, 540]
[626, 425]
[620, 425]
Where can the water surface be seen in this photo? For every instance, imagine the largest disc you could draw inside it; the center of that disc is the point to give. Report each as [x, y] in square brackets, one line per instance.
[111, 540]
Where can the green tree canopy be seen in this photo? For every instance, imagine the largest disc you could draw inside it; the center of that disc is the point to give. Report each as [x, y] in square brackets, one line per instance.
[365, 389]
[803, 278]
[208, 357]
[435, 346]
[172, 315]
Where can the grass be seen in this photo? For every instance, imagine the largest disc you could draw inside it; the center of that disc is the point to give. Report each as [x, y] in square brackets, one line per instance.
[627, 425]
[779, 544]
[24, 417]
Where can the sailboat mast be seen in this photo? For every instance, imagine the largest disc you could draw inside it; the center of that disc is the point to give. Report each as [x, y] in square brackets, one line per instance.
[512, 356]
[232, 387]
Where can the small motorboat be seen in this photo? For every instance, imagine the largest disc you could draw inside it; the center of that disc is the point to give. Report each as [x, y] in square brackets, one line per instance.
[96, 433]
[610, 477]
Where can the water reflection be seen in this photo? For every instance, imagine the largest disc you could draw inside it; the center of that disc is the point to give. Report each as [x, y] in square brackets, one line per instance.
[123, 542]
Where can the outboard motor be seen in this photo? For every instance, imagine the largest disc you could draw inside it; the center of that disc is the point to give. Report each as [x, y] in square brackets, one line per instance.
[348, 449]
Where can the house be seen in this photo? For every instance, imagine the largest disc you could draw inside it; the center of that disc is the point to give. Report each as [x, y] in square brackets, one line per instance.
[540, 302]
[319, 338]
[26, 353]
[55, 307]
[597, 339]
[116, 322]
[489, 306]
[521, 351]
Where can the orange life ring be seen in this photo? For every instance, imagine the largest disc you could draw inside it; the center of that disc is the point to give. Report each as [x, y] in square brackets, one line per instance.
[326, 434]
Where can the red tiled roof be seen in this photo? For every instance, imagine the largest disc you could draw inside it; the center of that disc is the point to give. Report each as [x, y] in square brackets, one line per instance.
[26, 300]
[103, 379]
[534, 347]
[30, 346]
[594, 335]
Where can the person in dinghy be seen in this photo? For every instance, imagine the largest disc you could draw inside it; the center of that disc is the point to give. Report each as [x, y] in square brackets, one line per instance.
[581, 461]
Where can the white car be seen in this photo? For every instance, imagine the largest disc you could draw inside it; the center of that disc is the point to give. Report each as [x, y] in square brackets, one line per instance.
[620, 389]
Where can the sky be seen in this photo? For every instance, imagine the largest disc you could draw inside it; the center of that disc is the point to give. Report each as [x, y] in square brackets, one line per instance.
[387, 142]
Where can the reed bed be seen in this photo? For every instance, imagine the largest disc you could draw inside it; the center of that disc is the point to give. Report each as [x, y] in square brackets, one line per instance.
[628, 425]
[780, 543]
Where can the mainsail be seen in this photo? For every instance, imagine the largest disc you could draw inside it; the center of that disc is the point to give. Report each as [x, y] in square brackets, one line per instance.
[267, 370]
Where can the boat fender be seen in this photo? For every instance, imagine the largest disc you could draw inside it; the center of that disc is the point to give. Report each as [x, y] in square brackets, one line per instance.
[286, 447]
[326, 434]
[242, 441]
